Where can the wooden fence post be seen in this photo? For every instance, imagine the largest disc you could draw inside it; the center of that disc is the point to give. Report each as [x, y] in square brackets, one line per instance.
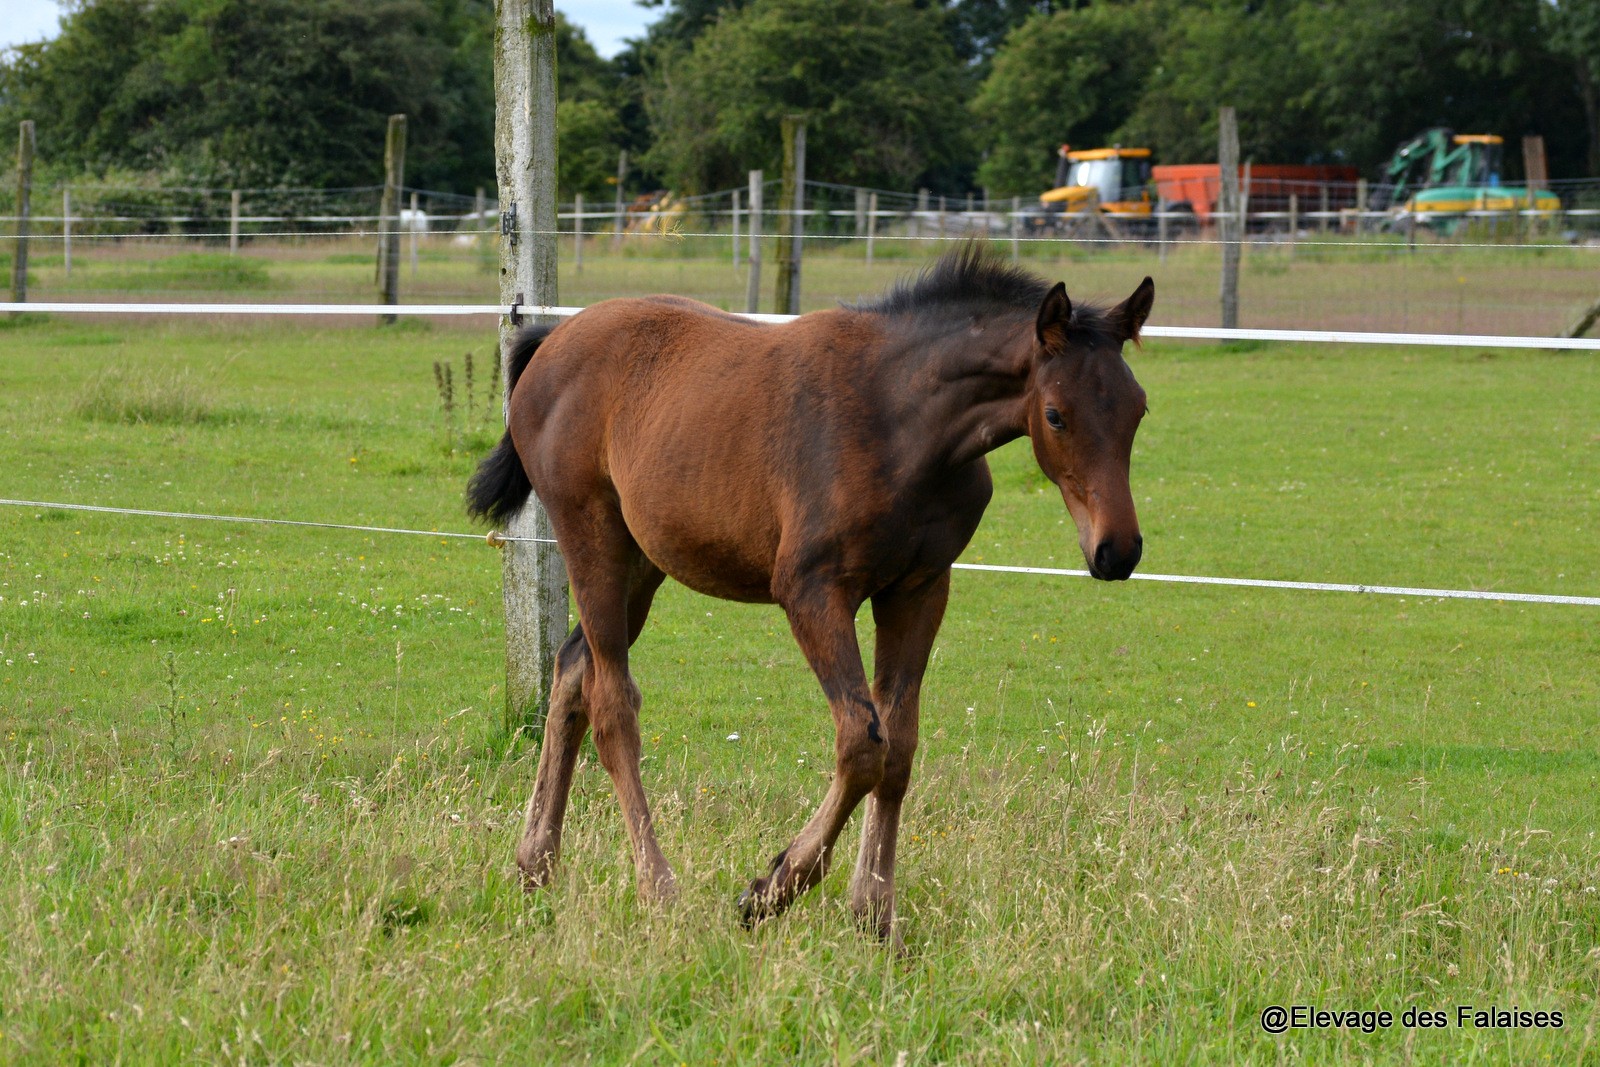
[534, 577]
[1016, 229]
[622, 177]
[752, 290]
[1229, 206]
[1536, 167]
[413, 234]
[1361, 204]
[577, 233]
[481, 219]
[1161, 230]
[394, 172]
[1322, 219]
[19, 265]
[1294, 220]
[66, 228]
[233, 223]
[872, 223]
[791, 232]
[734, 229]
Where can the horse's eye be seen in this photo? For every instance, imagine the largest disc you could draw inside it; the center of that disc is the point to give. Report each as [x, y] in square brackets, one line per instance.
[1053, 417]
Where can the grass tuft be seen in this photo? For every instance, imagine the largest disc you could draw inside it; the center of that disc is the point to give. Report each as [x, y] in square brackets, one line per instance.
[163, 397]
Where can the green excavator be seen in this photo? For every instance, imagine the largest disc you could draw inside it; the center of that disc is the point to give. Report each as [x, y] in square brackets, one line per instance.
[1439, 176]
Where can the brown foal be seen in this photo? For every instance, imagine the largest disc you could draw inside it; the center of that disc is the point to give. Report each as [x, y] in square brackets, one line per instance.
[816, 465]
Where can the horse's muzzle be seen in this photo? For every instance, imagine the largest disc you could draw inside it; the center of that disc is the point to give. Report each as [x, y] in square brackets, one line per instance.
[1113, 564]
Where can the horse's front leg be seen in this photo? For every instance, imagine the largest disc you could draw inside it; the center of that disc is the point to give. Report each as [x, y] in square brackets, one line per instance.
[907, 622]
[823, 622]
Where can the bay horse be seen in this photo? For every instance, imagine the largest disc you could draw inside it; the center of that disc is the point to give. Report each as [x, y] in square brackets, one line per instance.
[816, 465]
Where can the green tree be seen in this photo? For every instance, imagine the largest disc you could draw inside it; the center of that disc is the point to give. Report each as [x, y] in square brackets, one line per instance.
[1228, 52]
[1072, 76]
[1573, 28]
[262, 92]
[976, 28]
[589, 127]
[876, 79]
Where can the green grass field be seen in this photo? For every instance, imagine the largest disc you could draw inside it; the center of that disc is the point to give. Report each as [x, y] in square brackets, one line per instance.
[256, 804]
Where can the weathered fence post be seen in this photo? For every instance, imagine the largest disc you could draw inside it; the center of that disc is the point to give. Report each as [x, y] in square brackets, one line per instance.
[622, 178]
[19, 265]
[233, 223]
[577, 233]
[1536, 166]
[1016, 229]
[734, 230]
[1361, 204]
[752, 289]
[413, 235]
[1228, 206]
[922, 209]
[872, 223]
[534, 577]
[1161, 230]
[791, 232]
[1294, 220]
[1322, 219]
[861, 211]
[394, 172]
[66, 228]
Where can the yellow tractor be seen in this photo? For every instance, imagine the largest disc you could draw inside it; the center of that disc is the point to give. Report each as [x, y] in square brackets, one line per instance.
[1114, 181]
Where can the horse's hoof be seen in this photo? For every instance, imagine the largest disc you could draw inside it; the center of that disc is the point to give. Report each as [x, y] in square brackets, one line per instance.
[660, 892]
[536, 871]
[754, 907]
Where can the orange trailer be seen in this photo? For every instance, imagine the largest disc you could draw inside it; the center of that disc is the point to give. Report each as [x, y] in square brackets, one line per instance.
[1199, 184]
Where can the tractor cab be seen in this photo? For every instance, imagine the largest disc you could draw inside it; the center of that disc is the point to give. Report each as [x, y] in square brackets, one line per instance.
[1116, 180]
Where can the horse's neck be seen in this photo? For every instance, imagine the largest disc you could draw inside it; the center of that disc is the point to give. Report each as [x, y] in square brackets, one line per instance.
[978, 402]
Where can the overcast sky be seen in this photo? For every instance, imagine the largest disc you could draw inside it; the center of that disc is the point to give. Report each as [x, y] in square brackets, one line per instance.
[607, 22]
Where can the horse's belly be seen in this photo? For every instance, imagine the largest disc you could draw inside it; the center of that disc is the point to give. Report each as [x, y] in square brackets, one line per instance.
[715, 554]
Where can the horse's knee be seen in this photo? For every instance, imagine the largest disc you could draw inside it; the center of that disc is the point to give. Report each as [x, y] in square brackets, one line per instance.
[897, 770]
[862, 759]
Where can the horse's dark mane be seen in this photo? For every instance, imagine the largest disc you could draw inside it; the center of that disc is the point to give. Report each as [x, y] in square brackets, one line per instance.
[974, 278]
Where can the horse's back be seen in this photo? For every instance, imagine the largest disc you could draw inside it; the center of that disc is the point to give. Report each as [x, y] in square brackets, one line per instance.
[669, 407]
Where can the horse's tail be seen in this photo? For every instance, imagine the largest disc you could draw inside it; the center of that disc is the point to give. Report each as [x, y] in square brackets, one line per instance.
[500, 486]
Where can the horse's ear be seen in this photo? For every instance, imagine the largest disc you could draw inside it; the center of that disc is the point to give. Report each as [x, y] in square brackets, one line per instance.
[1131, 313]
[1055, 311]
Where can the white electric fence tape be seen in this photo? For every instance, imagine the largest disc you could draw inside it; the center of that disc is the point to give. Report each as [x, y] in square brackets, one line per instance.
[1187, 333]
[496, 538]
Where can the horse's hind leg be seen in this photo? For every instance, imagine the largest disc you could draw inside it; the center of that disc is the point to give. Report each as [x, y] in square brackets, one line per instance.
[565, 725]
[823, 621]
[907, 622]
[567, 722]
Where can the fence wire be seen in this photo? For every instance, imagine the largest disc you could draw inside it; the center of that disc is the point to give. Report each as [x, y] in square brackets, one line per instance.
[1478, 273]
